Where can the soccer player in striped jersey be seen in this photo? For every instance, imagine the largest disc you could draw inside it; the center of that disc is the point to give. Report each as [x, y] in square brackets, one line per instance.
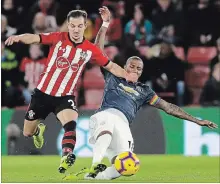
[68, 55]
[109, 126]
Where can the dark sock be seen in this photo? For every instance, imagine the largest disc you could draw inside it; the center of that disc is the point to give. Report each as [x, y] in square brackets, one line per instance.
[69, 138]
[37, 131]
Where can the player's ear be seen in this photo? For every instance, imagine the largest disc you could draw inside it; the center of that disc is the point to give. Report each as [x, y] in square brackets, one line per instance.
[86, 24]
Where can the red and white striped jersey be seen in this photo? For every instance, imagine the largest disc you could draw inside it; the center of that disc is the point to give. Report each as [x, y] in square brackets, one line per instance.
[65, 63]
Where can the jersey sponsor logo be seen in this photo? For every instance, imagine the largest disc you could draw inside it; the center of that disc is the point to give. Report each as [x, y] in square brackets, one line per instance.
[129, 89]
[63, 63]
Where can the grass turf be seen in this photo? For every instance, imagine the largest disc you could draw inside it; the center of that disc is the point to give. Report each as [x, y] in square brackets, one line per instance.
[154, 168]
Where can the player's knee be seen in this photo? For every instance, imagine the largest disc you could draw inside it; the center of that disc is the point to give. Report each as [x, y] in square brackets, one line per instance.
[106, 132]
[67, 115]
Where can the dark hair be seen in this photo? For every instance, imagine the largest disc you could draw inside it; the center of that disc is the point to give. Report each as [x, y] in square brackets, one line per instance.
[135, 58]
[76, 14]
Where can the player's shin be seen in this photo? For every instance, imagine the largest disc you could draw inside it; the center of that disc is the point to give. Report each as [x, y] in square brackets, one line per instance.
[68, 144]
[101, 145]
[69, 138]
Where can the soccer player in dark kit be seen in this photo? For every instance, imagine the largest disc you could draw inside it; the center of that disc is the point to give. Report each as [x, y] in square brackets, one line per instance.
[109, 126]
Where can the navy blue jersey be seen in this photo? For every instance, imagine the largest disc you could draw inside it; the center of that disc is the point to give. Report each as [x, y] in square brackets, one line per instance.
[125, 96]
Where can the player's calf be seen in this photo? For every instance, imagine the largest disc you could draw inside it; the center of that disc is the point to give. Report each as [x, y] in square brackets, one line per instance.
[102, 143]
[68, 144]
[35, 130]
[30, 128]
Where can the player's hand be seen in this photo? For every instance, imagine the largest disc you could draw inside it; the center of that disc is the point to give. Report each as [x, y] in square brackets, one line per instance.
[208, 124]
[131, 77]
[105, 14]
[12, 39]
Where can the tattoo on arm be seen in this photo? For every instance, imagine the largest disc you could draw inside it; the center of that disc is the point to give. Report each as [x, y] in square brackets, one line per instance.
[174, 110]
[100, 38]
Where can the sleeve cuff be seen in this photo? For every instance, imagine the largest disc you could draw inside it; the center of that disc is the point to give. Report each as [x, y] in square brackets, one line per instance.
[40, 38]
[106, 63]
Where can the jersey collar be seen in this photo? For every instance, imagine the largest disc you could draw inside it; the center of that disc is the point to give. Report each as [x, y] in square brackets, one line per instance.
[133, 83]
[75, 44]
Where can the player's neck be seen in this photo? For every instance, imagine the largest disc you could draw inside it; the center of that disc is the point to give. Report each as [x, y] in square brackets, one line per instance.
[80, 40]
[76, 42]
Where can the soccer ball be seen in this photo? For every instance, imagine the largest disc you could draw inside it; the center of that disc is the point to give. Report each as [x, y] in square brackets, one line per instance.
[127, 163]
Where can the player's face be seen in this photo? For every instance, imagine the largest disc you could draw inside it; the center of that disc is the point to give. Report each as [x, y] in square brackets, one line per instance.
[76, 27]
[134, 66]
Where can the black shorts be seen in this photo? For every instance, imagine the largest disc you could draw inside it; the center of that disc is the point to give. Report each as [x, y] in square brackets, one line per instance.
[42, 105]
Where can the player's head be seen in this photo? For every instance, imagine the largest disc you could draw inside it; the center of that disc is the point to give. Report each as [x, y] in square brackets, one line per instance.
[35, 51]
[46, 3]
[134, 64]
[76, 20]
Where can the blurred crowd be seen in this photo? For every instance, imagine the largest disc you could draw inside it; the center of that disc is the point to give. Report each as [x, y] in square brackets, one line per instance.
[178, 40]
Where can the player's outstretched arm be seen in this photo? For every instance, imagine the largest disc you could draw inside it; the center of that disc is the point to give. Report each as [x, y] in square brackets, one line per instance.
[100, 37]
[178, 112]
[24, 38]
[99, 42]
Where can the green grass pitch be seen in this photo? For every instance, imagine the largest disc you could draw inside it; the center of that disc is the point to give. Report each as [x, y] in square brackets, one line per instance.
[154, 168]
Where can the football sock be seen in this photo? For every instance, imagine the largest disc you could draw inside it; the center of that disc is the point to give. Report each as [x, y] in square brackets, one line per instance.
[108, 174]
[69, 138]
[100, 147]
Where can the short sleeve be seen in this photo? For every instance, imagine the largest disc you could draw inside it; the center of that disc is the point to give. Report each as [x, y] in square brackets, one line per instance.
[105, 73]
[99, 58]
[49, 38]
[151, 98]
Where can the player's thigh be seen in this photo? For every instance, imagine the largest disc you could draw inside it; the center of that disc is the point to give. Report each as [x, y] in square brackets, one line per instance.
[100, 123]
[65, 109]
[122, 140]
[38, 109]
